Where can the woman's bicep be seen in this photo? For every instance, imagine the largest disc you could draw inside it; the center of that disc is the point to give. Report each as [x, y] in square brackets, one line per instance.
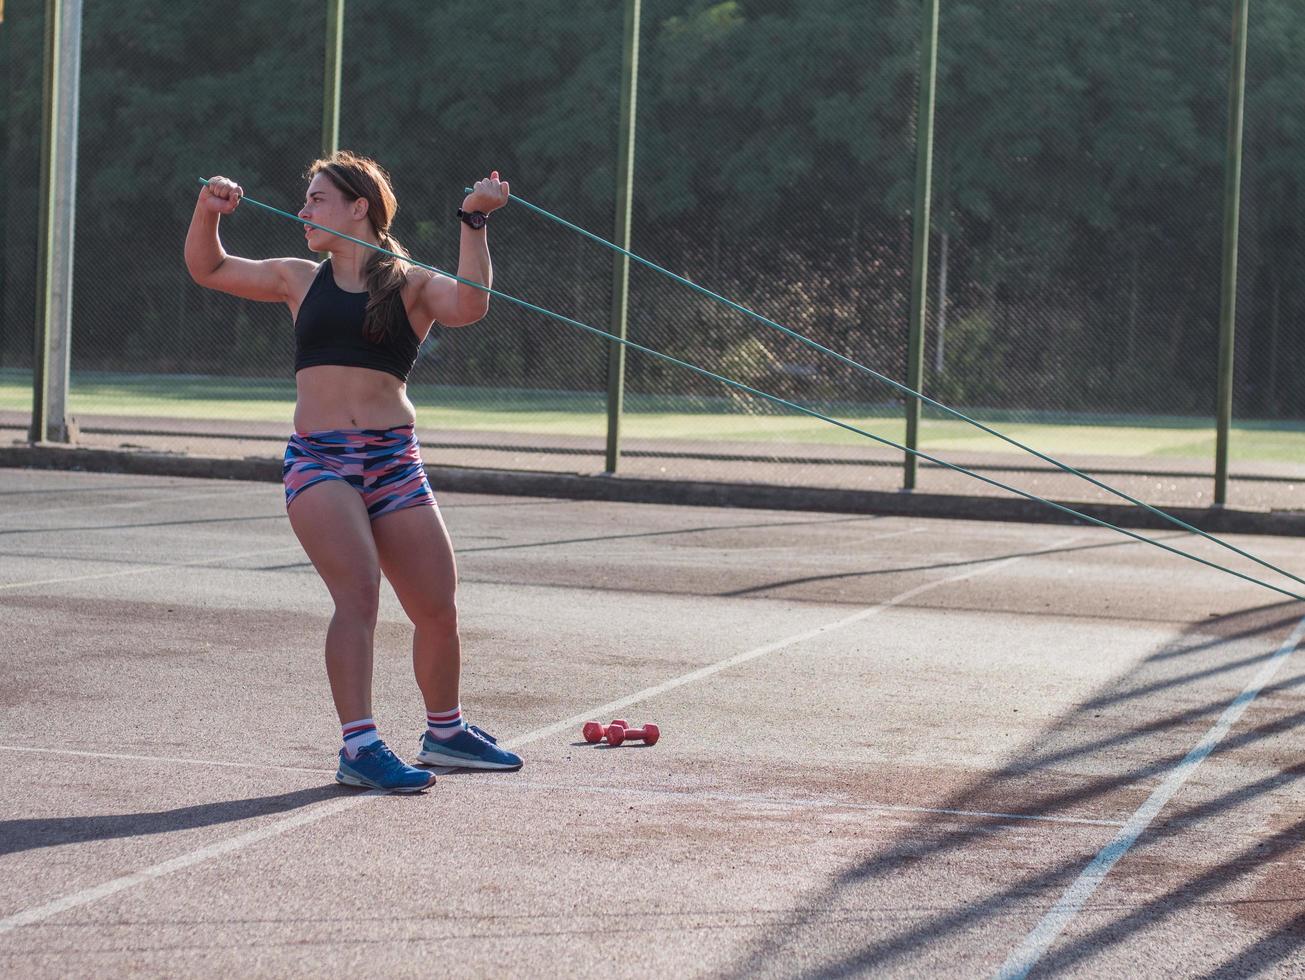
[442, 301]
[436, 297]
[264, 280]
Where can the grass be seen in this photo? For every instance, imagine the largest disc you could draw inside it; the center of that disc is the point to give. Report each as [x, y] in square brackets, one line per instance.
[673, 417]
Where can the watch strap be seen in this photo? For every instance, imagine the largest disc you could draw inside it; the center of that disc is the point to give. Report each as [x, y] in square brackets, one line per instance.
[473, 219]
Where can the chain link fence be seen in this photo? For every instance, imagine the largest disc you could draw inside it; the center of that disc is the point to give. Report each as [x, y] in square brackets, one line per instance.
[149, 348]
[1079, 191]
[1075, 276]
[775, 151]
[20, 66]
[517, 379]
[1270, 349]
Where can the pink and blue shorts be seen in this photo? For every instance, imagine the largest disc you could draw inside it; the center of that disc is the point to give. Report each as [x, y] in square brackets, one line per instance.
[383, 465]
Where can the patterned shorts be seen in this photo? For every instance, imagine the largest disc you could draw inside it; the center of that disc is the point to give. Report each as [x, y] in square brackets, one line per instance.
[383, 465]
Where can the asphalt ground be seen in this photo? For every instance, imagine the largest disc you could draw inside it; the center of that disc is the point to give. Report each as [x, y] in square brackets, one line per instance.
[891, 747]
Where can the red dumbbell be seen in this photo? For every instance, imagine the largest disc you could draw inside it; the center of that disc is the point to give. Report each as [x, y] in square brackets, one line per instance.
[594, 732]
[648, 734]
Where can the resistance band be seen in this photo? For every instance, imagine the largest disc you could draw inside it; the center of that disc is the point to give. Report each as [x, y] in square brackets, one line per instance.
[898, 386]
[788, 404]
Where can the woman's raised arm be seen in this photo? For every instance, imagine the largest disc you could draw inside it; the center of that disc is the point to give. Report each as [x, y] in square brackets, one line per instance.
[266, 280]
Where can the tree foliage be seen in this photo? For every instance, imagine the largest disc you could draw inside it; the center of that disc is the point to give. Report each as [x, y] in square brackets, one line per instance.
[1078, 178]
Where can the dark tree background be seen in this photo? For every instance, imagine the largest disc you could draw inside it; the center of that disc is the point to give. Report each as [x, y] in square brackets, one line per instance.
[1078, 186]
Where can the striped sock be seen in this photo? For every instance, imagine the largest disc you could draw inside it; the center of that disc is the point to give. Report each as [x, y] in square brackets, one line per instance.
[358, 735]
[443, 725]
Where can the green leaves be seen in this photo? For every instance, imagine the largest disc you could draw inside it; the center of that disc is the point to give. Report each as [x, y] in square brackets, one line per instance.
[1079, 147]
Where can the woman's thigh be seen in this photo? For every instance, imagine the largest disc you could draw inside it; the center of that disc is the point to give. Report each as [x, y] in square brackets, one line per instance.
[330, 520]
[417, 557]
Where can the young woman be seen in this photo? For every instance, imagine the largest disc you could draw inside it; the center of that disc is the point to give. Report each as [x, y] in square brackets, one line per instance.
[356, 492]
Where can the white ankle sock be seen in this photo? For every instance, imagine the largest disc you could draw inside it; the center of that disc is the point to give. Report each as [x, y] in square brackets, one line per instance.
[358, 735]
[443, 725]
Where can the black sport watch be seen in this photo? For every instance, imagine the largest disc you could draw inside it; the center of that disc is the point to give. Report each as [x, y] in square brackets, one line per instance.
[473, 219]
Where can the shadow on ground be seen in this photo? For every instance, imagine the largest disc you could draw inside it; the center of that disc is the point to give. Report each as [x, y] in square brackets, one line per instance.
[33, 833]
[1191, 673]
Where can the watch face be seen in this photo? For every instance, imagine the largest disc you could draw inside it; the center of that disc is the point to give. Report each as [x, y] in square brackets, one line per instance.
[475, 219]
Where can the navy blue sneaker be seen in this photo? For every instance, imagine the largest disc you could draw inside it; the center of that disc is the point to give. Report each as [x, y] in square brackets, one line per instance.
[470, 748]
[376, 767]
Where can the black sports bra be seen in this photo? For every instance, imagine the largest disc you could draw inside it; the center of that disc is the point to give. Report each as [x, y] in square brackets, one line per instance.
[329, 330]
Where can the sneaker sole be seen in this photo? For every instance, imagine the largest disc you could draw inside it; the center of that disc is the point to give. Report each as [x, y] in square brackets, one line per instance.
[348, 780]
[456, 762]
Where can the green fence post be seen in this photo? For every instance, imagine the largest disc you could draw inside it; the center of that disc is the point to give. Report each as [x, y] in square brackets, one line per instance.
[331, 92]
[45, 222]
[621, 267]
[1231, 229]
[920, 233]
[57, 206]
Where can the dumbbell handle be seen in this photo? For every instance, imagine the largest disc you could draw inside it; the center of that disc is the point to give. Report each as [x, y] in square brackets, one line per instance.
[648, 734]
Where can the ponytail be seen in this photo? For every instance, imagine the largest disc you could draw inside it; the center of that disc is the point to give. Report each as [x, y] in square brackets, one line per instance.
[386, 275]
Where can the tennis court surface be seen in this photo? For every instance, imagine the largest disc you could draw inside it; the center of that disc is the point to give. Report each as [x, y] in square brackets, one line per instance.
[890, 747]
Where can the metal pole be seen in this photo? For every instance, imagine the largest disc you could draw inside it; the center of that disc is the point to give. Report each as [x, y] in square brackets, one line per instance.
[1231, 230]
[331, 93]
[45, 222]
[57, 203]
[621, 266]
[920, 233]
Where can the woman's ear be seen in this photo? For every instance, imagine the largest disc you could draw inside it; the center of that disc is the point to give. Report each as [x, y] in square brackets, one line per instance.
[359, 209]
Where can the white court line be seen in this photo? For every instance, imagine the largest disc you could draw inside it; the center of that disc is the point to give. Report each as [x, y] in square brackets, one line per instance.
[147, 569]
[805, 803]
[163, 758]
[1037, 942]
[611, 707]
[161, 499]
[313, 814]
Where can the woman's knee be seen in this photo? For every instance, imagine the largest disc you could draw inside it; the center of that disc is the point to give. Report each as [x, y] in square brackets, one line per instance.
[435, 614]
[359, 598]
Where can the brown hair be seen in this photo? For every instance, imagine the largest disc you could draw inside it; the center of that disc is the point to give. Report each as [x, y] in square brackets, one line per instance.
[357, 176]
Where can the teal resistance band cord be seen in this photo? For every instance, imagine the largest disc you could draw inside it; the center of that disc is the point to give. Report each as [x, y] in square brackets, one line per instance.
[904, 389]
[773, 398]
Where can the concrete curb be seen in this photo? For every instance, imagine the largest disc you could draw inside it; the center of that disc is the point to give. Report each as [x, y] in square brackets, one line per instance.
[577, 486]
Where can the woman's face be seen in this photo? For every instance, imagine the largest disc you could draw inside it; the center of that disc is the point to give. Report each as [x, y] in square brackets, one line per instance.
[325, 204]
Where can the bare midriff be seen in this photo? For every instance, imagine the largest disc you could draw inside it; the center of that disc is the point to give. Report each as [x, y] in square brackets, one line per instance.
[332, 396]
